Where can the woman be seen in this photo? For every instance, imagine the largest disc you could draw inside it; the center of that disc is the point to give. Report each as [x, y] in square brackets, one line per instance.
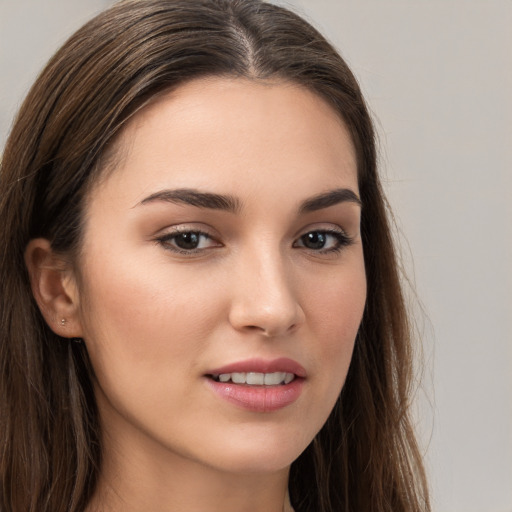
[201, 307]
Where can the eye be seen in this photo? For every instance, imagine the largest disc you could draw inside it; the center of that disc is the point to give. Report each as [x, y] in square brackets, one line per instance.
[187, 242]
[324, 241]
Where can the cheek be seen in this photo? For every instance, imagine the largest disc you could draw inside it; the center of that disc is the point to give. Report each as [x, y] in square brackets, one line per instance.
[336, 302]
[335, 308]
[144, 306]
[145, 329]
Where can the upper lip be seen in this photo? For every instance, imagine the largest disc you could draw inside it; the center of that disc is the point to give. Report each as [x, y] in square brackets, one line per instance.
[282, 364]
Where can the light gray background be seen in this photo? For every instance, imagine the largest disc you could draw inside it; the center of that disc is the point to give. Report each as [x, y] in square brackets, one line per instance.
[438, 75]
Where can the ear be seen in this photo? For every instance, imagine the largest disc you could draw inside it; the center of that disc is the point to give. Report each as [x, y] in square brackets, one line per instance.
[54, 287]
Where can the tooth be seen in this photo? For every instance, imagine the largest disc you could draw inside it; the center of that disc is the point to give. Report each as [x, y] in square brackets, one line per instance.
[255, 378]
[288, 378]
[238, 378]
[273, 379]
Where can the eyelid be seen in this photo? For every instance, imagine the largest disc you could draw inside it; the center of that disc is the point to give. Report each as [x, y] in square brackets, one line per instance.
[324, 228]
[187, 227]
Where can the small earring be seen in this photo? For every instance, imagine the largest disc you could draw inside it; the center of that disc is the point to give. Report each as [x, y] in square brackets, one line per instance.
[63, 322]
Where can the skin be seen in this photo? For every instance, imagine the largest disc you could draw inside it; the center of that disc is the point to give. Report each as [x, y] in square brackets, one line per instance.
[155, 321]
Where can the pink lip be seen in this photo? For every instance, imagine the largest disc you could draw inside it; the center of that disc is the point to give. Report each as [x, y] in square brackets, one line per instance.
[260, 398]
[282, 364]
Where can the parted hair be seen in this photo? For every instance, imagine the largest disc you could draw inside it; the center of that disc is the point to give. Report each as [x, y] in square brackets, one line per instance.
[365, 458]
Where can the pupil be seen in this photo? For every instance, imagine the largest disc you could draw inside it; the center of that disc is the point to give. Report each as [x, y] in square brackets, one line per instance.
[187, 241]
[314, 240]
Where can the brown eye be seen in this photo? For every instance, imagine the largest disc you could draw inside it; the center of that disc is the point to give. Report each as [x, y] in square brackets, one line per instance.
[188, 241]
[324, 241]
[315, 240]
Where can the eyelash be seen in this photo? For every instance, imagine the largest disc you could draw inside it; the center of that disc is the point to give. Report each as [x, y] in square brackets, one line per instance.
[166, 239]
[342, 241]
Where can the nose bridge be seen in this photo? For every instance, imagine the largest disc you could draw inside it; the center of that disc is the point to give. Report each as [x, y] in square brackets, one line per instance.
[264, 297]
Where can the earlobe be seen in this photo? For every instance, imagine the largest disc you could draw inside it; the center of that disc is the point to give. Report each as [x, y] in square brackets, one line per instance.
[54, 288]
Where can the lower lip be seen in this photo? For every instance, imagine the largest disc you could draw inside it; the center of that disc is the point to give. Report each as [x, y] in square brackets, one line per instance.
[258, 398]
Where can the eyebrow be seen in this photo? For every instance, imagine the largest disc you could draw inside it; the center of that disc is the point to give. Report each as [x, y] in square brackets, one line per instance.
[330, 198]
[195, 198]
[232, 204]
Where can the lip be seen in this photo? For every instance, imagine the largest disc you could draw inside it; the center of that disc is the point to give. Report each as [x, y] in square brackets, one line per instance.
[282, 364]
[261, 399]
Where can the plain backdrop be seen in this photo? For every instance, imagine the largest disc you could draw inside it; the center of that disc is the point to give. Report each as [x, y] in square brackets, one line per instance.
[438, 77]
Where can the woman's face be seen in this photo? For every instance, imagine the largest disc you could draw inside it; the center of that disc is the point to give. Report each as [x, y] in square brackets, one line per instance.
[222, 278]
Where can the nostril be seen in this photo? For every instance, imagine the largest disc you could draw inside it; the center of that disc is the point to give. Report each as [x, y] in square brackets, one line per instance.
[271, 331]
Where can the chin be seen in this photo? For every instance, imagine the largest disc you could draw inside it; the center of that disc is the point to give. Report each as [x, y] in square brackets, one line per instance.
[259, 462]
[258, 453]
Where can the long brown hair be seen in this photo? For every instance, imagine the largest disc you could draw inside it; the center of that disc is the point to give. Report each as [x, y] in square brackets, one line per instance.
[365, 458]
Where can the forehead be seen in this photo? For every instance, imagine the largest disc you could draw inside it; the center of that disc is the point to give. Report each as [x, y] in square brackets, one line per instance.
[222, 133]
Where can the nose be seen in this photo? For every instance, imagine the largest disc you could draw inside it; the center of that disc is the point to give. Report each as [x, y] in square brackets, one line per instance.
[264, 299]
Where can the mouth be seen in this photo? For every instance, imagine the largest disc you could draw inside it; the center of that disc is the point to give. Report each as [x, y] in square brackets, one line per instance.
[255, 378]
[258, 385]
